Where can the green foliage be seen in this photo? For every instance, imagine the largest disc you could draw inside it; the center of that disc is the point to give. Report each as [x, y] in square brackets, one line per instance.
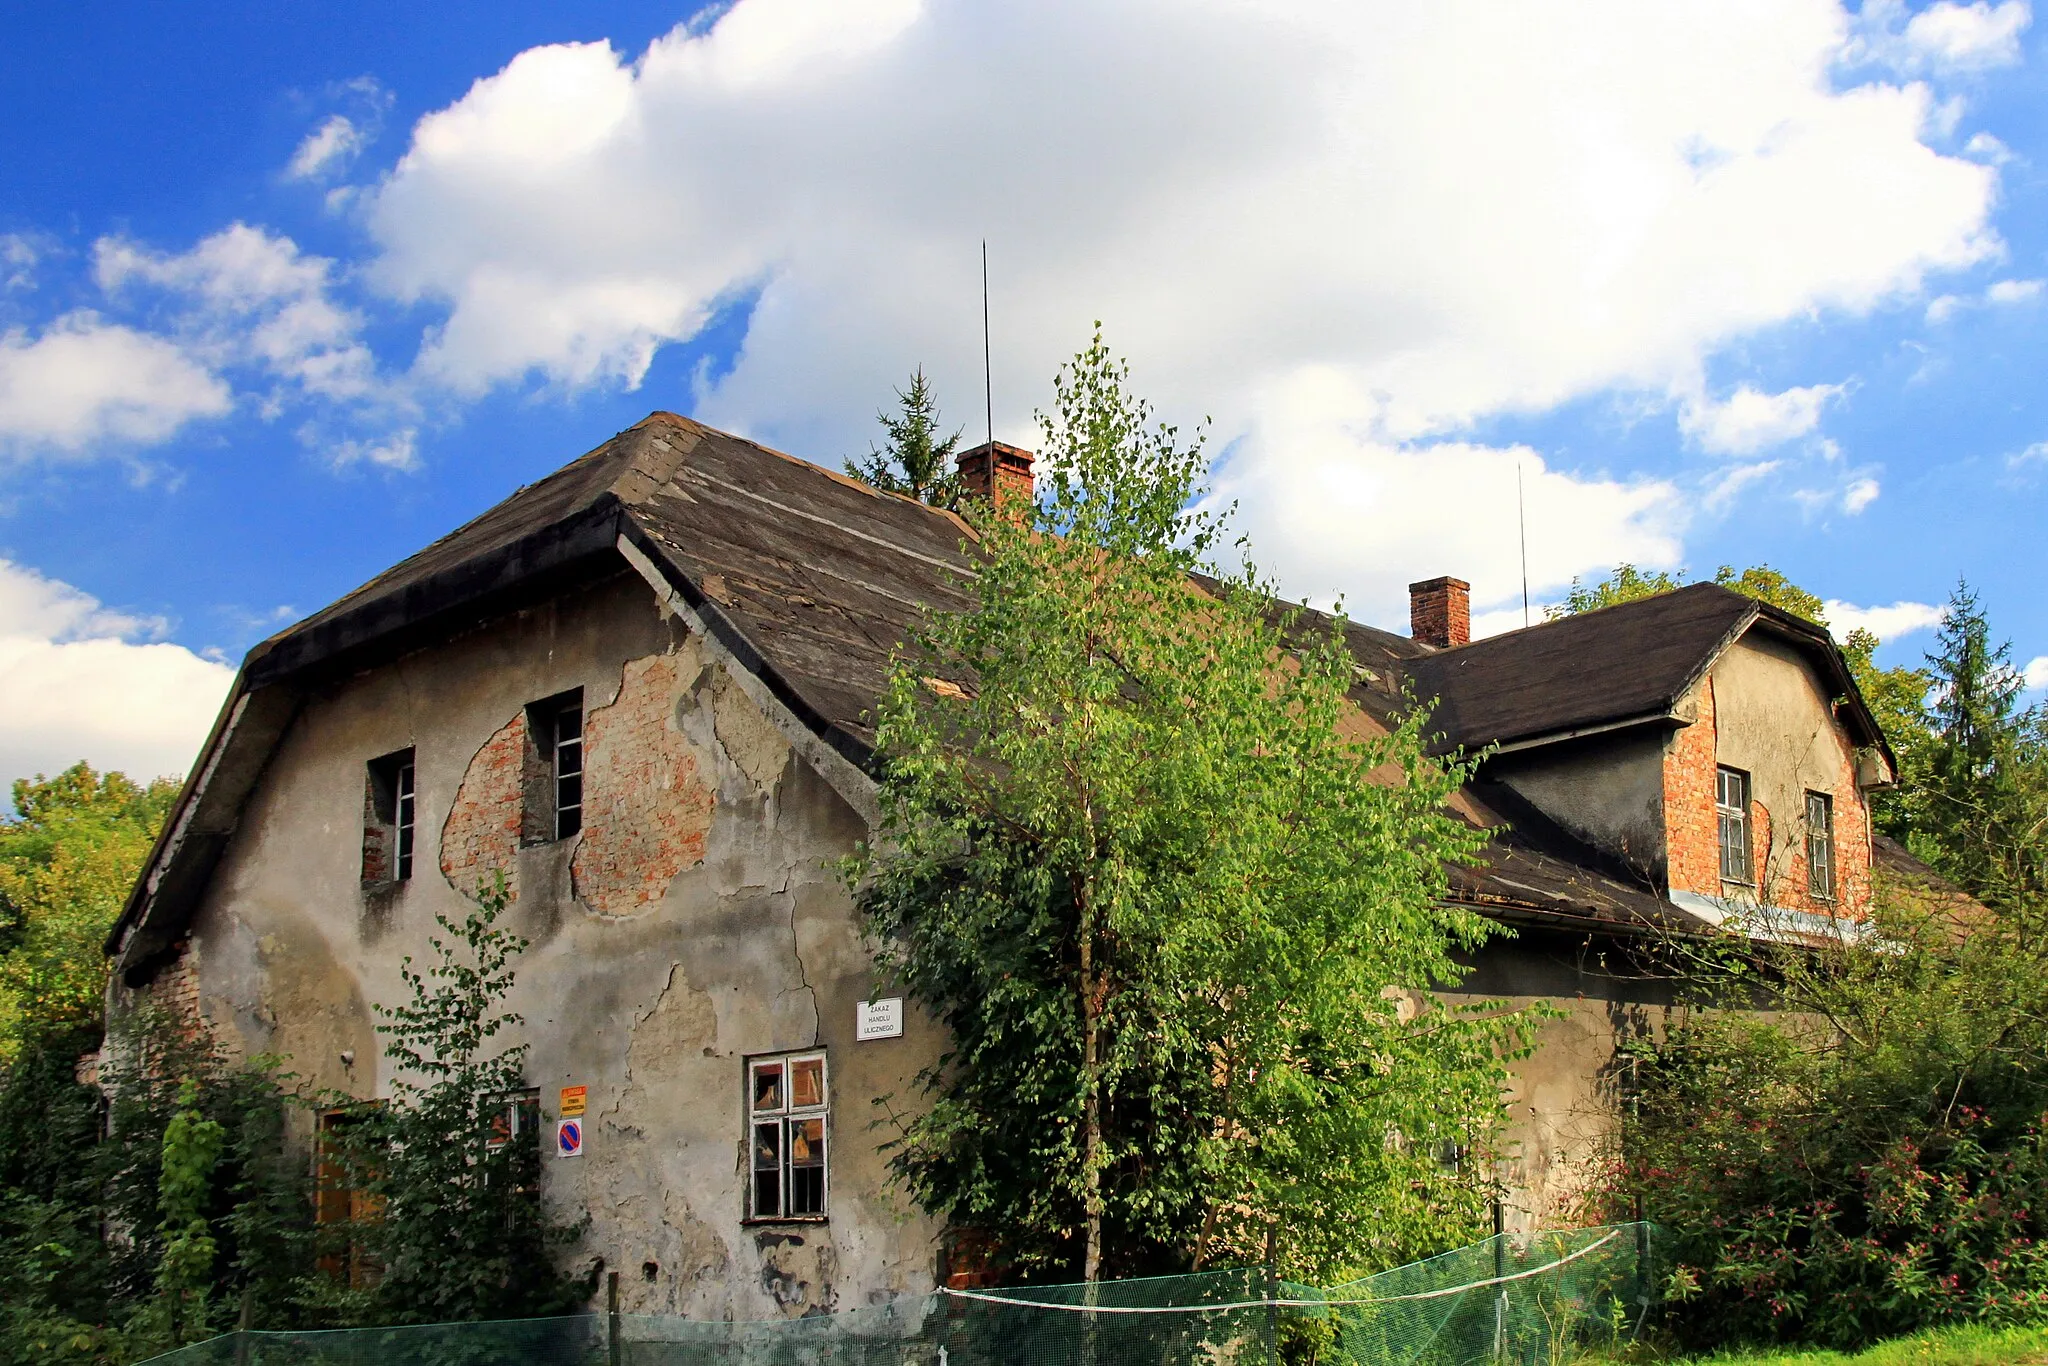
[79, 1295]
[1630, 584]
[67, 862]
[1975, 798]
[453, 1222]
[915, 461]
[1871, 1160]
[191, 1150]
[1137, 858]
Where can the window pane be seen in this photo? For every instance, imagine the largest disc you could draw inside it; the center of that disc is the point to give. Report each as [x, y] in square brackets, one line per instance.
[807, 1082]
[768, 1169]
[767, 1086]
[568, 725]
[569, 791]
[807, 1166]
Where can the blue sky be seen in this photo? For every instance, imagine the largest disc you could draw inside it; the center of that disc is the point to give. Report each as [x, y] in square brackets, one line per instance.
[284, 295]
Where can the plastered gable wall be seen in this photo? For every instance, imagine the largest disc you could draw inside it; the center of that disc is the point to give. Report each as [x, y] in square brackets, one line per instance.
[1762, 709]
[698, 919]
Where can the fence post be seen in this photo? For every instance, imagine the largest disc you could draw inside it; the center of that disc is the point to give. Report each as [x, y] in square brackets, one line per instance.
[1272, 1295]
[242, 1330]
[1500, 1290]
[612, 1316]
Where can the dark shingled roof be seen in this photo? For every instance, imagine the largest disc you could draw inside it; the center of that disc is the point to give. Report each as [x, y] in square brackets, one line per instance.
[810, 579]
[1616, 665]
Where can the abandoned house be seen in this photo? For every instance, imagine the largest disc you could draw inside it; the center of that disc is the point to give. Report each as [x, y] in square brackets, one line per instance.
[641, 687]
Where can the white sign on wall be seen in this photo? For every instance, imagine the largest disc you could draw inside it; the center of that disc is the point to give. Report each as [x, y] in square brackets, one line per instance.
[879, 1019]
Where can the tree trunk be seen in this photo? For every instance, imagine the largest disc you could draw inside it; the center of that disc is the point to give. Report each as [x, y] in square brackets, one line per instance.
[1091, 1092]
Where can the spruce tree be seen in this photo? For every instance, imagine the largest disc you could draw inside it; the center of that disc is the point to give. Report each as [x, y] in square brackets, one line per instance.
[915, 460]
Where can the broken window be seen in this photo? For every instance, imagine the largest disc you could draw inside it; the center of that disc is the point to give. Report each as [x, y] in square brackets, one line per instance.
[515, 1115]
[1731, 805]
[787, 1104]
[554, 780]
[389, 802]
[1820, 846]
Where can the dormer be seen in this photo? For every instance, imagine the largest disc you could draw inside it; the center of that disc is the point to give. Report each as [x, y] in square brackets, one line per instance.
[1714, 747]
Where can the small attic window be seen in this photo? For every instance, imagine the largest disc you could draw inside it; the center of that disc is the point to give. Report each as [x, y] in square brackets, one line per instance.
[390, 802]
[554, 790]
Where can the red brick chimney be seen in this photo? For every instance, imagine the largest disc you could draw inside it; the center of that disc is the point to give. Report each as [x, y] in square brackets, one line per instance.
[1440, 612]
[997, 473]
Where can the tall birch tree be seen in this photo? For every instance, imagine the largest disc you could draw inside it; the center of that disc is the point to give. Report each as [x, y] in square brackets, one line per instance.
[1179, 901]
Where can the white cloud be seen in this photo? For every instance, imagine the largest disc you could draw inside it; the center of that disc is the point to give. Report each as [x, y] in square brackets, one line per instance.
[2000, 293]
[80, 682]
[253, 297]
[1987, 148]
[1969, 36]
[1328, 509]
[1454, 212]
[1723, 492]
[394, 451]
[85, 383]
[1886, 623]
[2036, 673]
[1860, 494]
[2031, 455]
[1749, 420]
[20, 253]
[329, 147]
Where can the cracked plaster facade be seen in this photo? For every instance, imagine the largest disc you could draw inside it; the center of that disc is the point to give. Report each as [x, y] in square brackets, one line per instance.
[698, 918]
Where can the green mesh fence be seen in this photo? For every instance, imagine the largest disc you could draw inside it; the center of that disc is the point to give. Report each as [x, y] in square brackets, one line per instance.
[1536, 1301]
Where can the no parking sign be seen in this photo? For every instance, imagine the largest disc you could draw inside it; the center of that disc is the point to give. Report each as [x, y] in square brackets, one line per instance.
[569, 1138]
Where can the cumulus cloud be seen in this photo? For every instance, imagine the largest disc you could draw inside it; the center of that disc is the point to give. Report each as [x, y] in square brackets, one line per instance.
[1860, 494]
[78, 681]
[1750, 420]
[1901, 618]
[327, 148]
[1969, 36]
[2036, 673]
[1328, 510]
[395, 451]
[84, 384]
[1455, 213]
[252, 296]
[2013, 292]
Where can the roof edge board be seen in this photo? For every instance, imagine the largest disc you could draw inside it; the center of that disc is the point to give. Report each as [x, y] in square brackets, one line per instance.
[820, 743]
[1665, 716]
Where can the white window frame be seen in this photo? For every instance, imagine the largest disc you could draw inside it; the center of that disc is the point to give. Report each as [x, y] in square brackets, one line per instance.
[565, 764]
[780, 1124]
[1737, 816]
[1820, 840]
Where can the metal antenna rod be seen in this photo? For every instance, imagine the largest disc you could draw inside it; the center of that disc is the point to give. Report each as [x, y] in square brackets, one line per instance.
[1522, 520]
[987, 374]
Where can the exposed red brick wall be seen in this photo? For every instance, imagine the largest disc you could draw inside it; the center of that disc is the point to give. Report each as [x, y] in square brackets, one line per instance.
[646, 808]
[481, 834]
[1777, 839]
[1692, 837]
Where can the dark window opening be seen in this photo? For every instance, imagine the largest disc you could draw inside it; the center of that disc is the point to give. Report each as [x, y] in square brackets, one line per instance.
[788, 1105]
[1820, 846]
[554, 780]
[1731, 806]
[390, 806]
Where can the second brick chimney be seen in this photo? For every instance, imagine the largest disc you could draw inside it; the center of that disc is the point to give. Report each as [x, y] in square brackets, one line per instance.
[996, 472]
[1440, 612]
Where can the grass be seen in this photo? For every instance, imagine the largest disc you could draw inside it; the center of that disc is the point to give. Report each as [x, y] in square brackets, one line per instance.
[1966, 1346]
